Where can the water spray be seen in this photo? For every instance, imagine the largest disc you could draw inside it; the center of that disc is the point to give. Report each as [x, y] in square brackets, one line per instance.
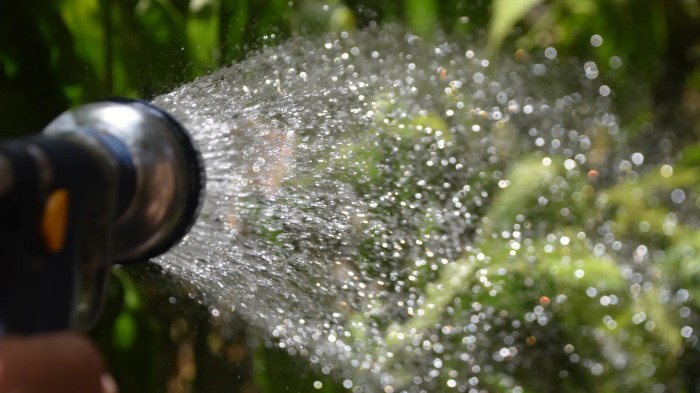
[115, 181]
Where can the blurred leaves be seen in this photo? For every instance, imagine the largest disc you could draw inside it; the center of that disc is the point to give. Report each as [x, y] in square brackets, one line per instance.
[53, 56]
[540, 188]
[422, 16]
[506, 13]
[83, 50]
[275, 370]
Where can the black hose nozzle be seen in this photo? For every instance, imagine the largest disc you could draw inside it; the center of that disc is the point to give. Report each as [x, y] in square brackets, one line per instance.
[109, 182]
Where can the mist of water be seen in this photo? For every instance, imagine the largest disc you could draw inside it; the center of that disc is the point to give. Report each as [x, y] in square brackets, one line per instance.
[351, 181]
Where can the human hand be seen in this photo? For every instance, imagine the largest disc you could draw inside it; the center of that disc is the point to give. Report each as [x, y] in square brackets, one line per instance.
[58, 363]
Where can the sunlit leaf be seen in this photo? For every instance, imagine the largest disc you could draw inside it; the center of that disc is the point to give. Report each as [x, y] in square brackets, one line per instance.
[202, 26]
[422, 16]
[125, 331]
[506, 13]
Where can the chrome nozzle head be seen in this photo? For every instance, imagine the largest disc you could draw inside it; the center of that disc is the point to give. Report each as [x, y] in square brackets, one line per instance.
[159, 174]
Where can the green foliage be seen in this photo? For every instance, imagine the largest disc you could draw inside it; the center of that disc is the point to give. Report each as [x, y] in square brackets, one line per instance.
[275, 368]
[506, 13]
[422, 16]
[74, 51]
[133, 341]
[540, 190]
[83, 50]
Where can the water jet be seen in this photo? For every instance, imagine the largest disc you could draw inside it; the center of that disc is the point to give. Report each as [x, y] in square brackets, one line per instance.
[377, 203]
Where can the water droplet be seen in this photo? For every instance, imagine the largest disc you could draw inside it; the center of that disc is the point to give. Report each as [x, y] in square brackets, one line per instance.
[591, 70]
[550, 53]
[686, 331]
[666, 170]
[615, 62]
[678, 196]
[596, 40]
[539, 69]
[637, 158]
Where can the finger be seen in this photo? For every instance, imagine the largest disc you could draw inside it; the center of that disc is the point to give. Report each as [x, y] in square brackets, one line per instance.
[58, 363]
[108, 384]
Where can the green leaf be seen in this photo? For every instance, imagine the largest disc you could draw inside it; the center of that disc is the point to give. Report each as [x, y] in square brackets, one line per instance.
[422, 16]
[506, 13]
[125, 331]
[691, 156]
[9, 66]
[202, 27]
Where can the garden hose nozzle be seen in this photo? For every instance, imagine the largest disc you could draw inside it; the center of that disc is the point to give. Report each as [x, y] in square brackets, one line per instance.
[115, 181]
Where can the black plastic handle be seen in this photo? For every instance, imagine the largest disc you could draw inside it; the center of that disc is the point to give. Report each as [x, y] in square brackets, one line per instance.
[53, 192]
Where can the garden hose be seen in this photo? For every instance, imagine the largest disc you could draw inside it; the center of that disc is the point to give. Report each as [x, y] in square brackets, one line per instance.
[116, 181]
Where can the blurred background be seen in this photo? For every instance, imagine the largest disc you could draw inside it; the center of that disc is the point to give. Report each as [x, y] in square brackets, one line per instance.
[59, 54]
[54, 55]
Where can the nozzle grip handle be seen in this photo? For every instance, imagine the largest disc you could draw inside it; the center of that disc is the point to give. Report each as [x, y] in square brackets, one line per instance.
[50, 196]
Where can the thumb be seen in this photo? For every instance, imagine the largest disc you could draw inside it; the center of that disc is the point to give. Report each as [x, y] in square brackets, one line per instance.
[60, 363]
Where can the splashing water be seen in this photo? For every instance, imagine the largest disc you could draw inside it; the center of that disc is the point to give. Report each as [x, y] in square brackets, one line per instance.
[374, 202]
